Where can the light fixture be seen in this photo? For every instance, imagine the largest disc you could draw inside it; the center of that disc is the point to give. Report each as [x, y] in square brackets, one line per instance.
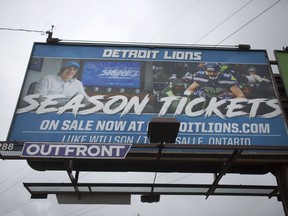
[163, 130]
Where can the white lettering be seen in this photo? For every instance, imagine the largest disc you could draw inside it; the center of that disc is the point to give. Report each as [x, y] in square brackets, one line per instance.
[130, 53]
[120, 103]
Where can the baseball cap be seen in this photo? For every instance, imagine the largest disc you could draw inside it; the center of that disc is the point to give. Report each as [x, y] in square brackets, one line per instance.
[71, 64]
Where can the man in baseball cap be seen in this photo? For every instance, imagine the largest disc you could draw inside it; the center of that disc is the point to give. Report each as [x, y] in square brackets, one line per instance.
[64, 83]
[69, 70]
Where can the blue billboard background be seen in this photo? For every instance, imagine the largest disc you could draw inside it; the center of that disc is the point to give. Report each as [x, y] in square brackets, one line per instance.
[120, 112]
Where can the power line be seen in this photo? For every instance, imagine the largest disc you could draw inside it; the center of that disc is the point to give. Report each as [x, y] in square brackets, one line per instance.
[19, 205]
[249, 22]
[180, 178]
[229, 17]
[13, 208]
[174, 20]
[1, 192]
[91, 210]
[17, 172]
[23, 30]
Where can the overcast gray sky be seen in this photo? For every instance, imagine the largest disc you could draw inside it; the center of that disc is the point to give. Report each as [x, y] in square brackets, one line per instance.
[260, 23]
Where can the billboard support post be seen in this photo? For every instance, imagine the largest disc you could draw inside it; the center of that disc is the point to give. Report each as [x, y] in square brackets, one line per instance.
[223, 171]
[281, 174]
[74, 181]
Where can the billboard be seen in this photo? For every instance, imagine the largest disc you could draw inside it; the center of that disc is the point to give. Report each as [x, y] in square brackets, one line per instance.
[282, 61]
[108, 93]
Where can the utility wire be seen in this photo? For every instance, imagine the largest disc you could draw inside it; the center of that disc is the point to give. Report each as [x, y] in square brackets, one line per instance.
[23, 30]
[249, 22]
[91, 210]
[1, 192]
[181, 178]
[174, 20]
[229, 17]
[17, 172]
[43, 32]
[19, 205]
[75, 213]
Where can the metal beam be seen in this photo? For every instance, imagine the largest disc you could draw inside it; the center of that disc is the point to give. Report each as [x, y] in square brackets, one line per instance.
[161, 189]
[224, 169]
[69, 168]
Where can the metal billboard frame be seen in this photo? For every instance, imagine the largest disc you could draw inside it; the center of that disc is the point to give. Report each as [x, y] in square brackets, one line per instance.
[154, 47]
[166, 158]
